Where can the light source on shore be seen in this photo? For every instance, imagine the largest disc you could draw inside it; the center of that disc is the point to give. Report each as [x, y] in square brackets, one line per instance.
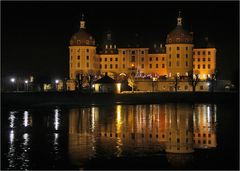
[56, 81]
[13, 80]
[26, 81]
[118, 87]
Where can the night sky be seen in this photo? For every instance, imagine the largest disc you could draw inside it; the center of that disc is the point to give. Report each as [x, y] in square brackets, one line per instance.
[35, 35]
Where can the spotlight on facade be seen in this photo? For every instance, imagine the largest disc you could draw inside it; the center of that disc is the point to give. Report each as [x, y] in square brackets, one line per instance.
[56, 81]
[12, 80]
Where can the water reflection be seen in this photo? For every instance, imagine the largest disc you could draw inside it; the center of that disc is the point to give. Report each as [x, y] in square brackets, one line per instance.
[56, 119]
[141, 130]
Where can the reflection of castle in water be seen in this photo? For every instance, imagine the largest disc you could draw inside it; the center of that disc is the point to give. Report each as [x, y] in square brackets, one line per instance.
[141, 129]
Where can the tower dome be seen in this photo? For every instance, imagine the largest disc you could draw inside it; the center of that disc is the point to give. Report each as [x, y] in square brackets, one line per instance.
[82, 37]
[179, 35]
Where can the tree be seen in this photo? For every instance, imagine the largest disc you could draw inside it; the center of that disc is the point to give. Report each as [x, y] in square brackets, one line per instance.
[193, 81]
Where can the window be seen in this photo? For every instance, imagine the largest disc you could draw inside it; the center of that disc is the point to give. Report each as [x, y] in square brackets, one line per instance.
[169, 64]
[198, 52]
[204, 59]
[105, 66]
[142, 52]
[133, 52]
[123, 65]
[194, 66]
[201, 87]
[116, 65]
[178, 55]
[186, 55]
[133, 58]
[199, 135]
[142, 59]
[199, 142]
[186, 48]
[209, 53]
[105, 59]
[150, 65]
[204, 53]
[186, 139]
[162, 58]
[186, 63]
[163, 66]
[87, 64]
[78, 64]
[198, 66]
[186, 87]
[110, 59]
[123, 59]
[110, 66]
[177, 63]
[156, 65]
[209, 141]
[209, 135]
[87, 57]
[100, 59]
[100, 66]
[123, 52]
[198, 59]
[178, 140]
[204, 141]
[209, 59]
[203, 66]
[204, 135]
[116, 59]
[142, 65]
[78, 57]
[178, 48]
[209, 66]
[87, 50]
[150, 59]
[170, 56]
[156, 58]
[169, 48]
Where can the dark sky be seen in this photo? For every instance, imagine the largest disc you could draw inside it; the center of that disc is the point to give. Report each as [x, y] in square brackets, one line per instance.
[35, 35]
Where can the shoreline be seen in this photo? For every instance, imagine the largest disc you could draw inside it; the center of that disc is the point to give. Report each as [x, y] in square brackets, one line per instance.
[95, 99]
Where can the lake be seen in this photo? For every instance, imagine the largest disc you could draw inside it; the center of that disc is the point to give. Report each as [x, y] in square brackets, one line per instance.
[151, 136]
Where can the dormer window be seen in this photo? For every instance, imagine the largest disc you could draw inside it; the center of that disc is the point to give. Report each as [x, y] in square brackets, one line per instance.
[110, 46]
[106, 46]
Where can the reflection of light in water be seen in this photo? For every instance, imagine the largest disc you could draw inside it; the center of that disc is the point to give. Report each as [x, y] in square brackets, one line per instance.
[93, 118]
[118, 125]
[12, 118]
[215, 113]
[25, 118]
[56, 138]
[56, 120]
[11, 136]
[11, 151]
[24, 156]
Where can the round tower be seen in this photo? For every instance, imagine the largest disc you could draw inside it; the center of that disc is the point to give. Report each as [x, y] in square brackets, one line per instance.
[179, 50]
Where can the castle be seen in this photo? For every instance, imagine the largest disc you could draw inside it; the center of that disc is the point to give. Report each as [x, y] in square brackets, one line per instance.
[177, 58]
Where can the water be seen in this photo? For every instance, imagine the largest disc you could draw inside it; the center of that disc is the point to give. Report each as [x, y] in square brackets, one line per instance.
[157, 136]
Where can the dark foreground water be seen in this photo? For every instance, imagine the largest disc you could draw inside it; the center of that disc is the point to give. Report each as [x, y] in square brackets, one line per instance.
[157, 136]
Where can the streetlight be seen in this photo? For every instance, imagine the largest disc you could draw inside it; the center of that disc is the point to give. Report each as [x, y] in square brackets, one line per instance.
[12, 80]
[26, 82]
[56, 82]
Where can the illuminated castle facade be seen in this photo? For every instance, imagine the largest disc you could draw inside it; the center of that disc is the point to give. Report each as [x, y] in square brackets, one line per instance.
[177, 58]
